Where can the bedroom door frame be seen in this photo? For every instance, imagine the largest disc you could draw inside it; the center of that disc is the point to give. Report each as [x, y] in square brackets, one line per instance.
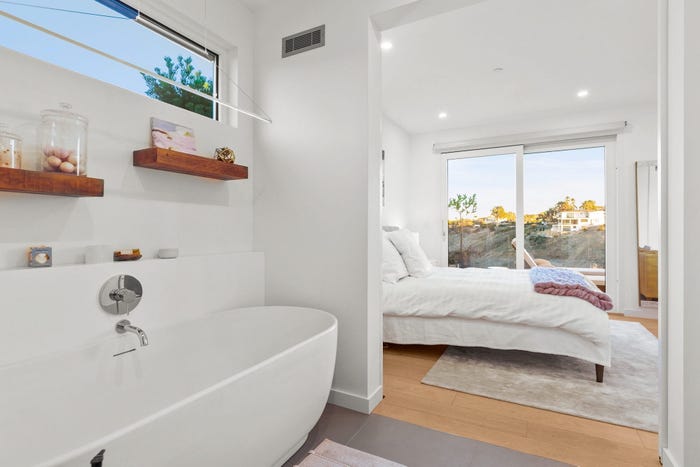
[611, 197]
[518, 151]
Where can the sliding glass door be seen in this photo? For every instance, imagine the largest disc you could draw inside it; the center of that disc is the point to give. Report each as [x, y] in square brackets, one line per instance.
[521, 206]
[482, 208]
[565, 207]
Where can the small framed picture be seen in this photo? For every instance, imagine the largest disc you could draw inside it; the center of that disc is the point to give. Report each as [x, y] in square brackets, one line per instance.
[172, 136]
[39, 257]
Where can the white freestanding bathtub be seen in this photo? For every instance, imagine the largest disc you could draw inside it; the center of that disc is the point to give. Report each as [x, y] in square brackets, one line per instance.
[235, 388]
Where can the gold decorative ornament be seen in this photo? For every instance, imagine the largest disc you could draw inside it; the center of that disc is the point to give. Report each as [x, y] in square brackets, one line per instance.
[225, 155]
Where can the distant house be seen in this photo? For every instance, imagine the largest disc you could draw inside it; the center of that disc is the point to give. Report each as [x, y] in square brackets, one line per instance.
[572, 221]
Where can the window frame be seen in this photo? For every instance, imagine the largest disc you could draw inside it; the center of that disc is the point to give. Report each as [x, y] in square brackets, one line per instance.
[518, 151]
[193, 46]
[152, 26]
[612, 240]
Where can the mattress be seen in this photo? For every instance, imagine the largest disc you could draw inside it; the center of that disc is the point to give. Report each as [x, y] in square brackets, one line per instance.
[493, 295]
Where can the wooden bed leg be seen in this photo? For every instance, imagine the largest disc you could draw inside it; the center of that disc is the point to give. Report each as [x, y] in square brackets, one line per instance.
[599, 372]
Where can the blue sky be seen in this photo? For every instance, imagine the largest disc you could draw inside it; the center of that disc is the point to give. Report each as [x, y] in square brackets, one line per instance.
[116, 35]
[548, 178]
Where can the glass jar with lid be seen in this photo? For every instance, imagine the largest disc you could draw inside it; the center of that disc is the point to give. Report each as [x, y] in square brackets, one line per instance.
[10, 148]
[64, 141]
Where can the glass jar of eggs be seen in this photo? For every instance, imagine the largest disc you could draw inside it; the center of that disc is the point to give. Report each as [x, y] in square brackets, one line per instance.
[10, 149]
[63, 141]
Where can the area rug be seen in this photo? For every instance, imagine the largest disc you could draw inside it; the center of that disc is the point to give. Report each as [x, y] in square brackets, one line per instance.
[628, 396]
[331, 454]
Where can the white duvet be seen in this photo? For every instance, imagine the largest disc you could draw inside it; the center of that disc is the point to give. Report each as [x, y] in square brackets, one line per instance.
[498, 295]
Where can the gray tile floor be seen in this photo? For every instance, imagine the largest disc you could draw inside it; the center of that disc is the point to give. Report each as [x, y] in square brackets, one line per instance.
[409, 444]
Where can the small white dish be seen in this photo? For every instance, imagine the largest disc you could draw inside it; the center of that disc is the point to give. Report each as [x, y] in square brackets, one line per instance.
[168, 253]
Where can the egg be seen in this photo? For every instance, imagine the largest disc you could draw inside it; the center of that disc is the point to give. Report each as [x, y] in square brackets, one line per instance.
[53, 161]
[72, 159]
[67, 167]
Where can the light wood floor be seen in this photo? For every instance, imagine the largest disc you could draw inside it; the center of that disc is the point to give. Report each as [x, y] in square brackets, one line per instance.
[566, 438]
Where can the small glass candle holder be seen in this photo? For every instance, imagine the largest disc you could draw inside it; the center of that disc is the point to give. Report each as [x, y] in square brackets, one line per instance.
[10, 148]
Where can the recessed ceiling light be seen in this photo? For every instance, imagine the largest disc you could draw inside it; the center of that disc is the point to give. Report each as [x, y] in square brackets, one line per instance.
[442, 115]
[498, 69]
[582, 93]
[386, 45]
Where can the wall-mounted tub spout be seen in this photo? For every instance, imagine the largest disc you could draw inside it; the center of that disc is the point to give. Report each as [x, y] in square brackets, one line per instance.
[125, 326]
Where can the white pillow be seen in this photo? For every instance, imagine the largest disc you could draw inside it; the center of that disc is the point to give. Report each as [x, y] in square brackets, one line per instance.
[413, 255]
[393, 268]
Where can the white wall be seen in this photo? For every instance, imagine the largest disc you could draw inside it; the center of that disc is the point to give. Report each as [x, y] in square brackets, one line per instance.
[141, 208]
[45, 310]
[637, 142]
[396, 143]
[691, 245]
[682, 171]
[54, 309]
[317, 178]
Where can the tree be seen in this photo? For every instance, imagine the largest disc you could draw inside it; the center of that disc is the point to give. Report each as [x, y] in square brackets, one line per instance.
[183, 72]
[549, 216]
[590, 205]
[567, 204]
[531, 218]
[464, 205]
[498, 212]
[552, 214]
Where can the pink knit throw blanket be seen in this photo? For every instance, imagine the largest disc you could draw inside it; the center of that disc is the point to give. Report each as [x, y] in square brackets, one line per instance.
[565, 282]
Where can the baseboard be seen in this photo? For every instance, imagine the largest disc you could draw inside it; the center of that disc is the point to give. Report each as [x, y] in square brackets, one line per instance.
[644, 312]
[376, 398]
[668, 460]
[356, 402]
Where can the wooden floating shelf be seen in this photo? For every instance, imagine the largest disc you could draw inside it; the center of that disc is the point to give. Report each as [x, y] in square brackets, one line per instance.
[47, 183]
[180, 162]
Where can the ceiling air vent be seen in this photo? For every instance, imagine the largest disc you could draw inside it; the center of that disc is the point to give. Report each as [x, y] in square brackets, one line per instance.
[303, 41]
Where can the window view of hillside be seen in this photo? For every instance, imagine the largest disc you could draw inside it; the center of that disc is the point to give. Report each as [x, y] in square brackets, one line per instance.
[486, 217]
[564, 193]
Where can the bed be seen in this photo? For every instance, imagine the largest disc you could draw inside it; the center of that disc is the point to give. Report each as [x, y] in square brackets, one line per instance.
[494, 308]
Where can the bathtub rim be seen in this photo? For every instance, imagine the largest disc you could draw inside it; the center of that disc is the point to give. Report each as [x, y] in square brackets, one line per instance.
[98, 443]
[110, 335]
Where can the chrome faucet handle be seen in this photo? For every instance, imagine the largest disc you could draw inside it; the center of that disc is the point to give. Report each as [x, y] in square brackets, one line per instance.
[120, 294]
[124, 295]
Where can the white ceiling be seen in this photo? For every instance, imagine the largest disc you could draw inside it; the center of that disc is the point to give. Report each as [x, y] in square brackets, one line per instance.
[548, 49]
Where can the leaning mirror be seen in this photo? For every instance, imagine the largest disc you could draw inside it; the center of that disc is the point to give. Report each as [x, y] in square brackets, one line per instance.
[648, 232]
